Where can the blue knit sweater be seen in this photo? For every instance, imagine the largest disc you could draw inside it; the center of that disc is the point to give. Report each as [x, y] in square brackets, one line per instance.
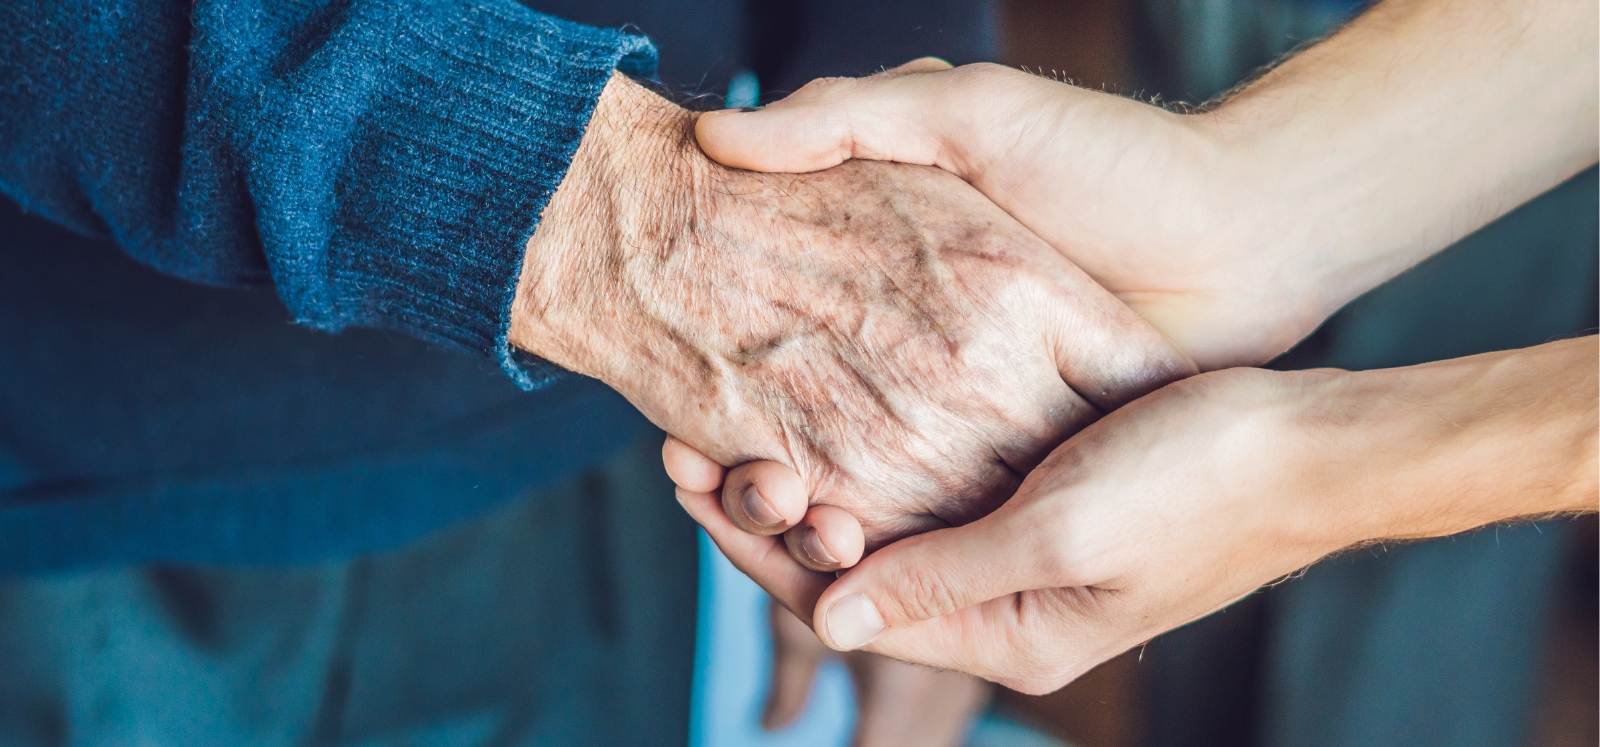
[380, 162]
[375, 163]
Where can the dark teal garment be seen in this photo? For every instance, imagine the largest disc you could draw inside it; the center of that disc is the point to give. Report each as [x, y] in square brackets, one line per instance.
[143, 418]
[147, 419]
[562, 618]
[239, 530]
[379, 165]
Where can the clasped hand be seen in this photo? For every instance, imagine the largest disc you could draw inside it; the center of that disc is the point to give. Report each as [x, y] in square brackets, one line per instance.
[877, 337]
[1180, 502]
[1085, 559]
[905, 365]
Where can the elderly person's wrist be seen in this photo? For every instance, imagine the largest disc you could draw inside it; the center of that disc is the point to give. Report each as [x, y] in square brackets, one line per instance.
[629, 185]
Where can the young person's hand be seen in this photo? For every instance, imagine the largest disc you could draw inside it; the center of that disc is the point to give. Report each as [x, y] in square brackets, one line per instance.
[880, 337]
[1236, 229]
[1184, 501]
[1140, 197]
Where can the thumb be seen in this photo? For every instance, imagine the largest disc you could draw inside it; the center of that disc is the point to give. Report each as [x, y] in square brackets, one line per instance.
[896, 115]
[931, 575]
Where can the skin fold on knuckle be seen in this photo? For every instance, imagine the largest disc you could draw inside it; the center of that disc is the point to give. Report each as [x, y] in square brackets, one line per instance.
[824, 91]
[1062, 557]
[918, 592]
[979, 77]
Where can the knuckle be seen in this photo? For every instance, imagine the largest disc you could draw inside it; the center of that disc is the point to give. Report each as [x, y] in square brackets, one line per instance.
[1063, 558]
[823, 88]
[1045, 653]
[1027, 685]
[922, 594]
[985, 69]
[980, 73]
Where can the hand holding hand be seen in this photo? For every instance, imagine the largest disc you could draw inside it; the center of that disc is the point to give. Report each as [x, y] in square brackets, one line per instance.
[1235, 230]
[1153, 204]
[1132, 527]
[880, 337]
[1182, 502]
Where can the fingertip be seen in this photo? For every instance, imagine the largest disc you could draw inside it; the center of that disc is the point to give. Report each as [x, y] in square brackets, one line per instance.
[764, 498]
[916, 579]
[796, 654]
[761, 558]
[782, 708]
[731, 138]
[849, 623]
[785, 137]
[690, 469]
[829, 538]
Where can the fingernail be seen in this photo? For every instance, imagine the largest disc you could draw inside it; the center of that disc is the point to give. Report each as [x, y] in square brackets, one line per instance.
[853, 621]
[758, 509]
[812, 544]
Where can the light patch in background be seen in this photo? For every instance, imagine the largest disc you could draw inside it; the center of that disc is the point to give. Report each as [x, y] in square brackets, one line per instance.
[744, 90]
[733, 666]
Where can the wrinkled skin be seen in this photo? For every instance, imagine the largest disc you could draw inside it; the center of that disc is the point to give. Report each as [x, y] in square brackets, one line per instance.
[1155, 205]
[901, 344]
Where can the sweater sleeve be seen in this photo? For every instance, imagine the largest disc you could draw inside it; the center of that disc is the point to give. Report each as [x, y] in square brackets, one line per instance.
[379, 162]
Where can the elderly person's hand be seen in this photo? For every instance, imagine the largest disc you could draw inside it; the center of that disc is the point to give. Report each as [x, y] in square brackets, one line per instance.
[880, 337]
[1182, 502]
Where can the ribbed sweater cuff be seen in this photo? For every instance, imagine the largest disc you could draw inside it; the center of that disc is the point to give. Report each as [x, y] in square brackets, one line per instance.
[481, 128]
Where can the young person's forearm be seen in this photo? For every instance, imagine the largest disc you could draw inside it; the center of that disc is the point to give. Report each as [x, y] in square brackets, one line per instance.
[1445, 447]
[1417, 124]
